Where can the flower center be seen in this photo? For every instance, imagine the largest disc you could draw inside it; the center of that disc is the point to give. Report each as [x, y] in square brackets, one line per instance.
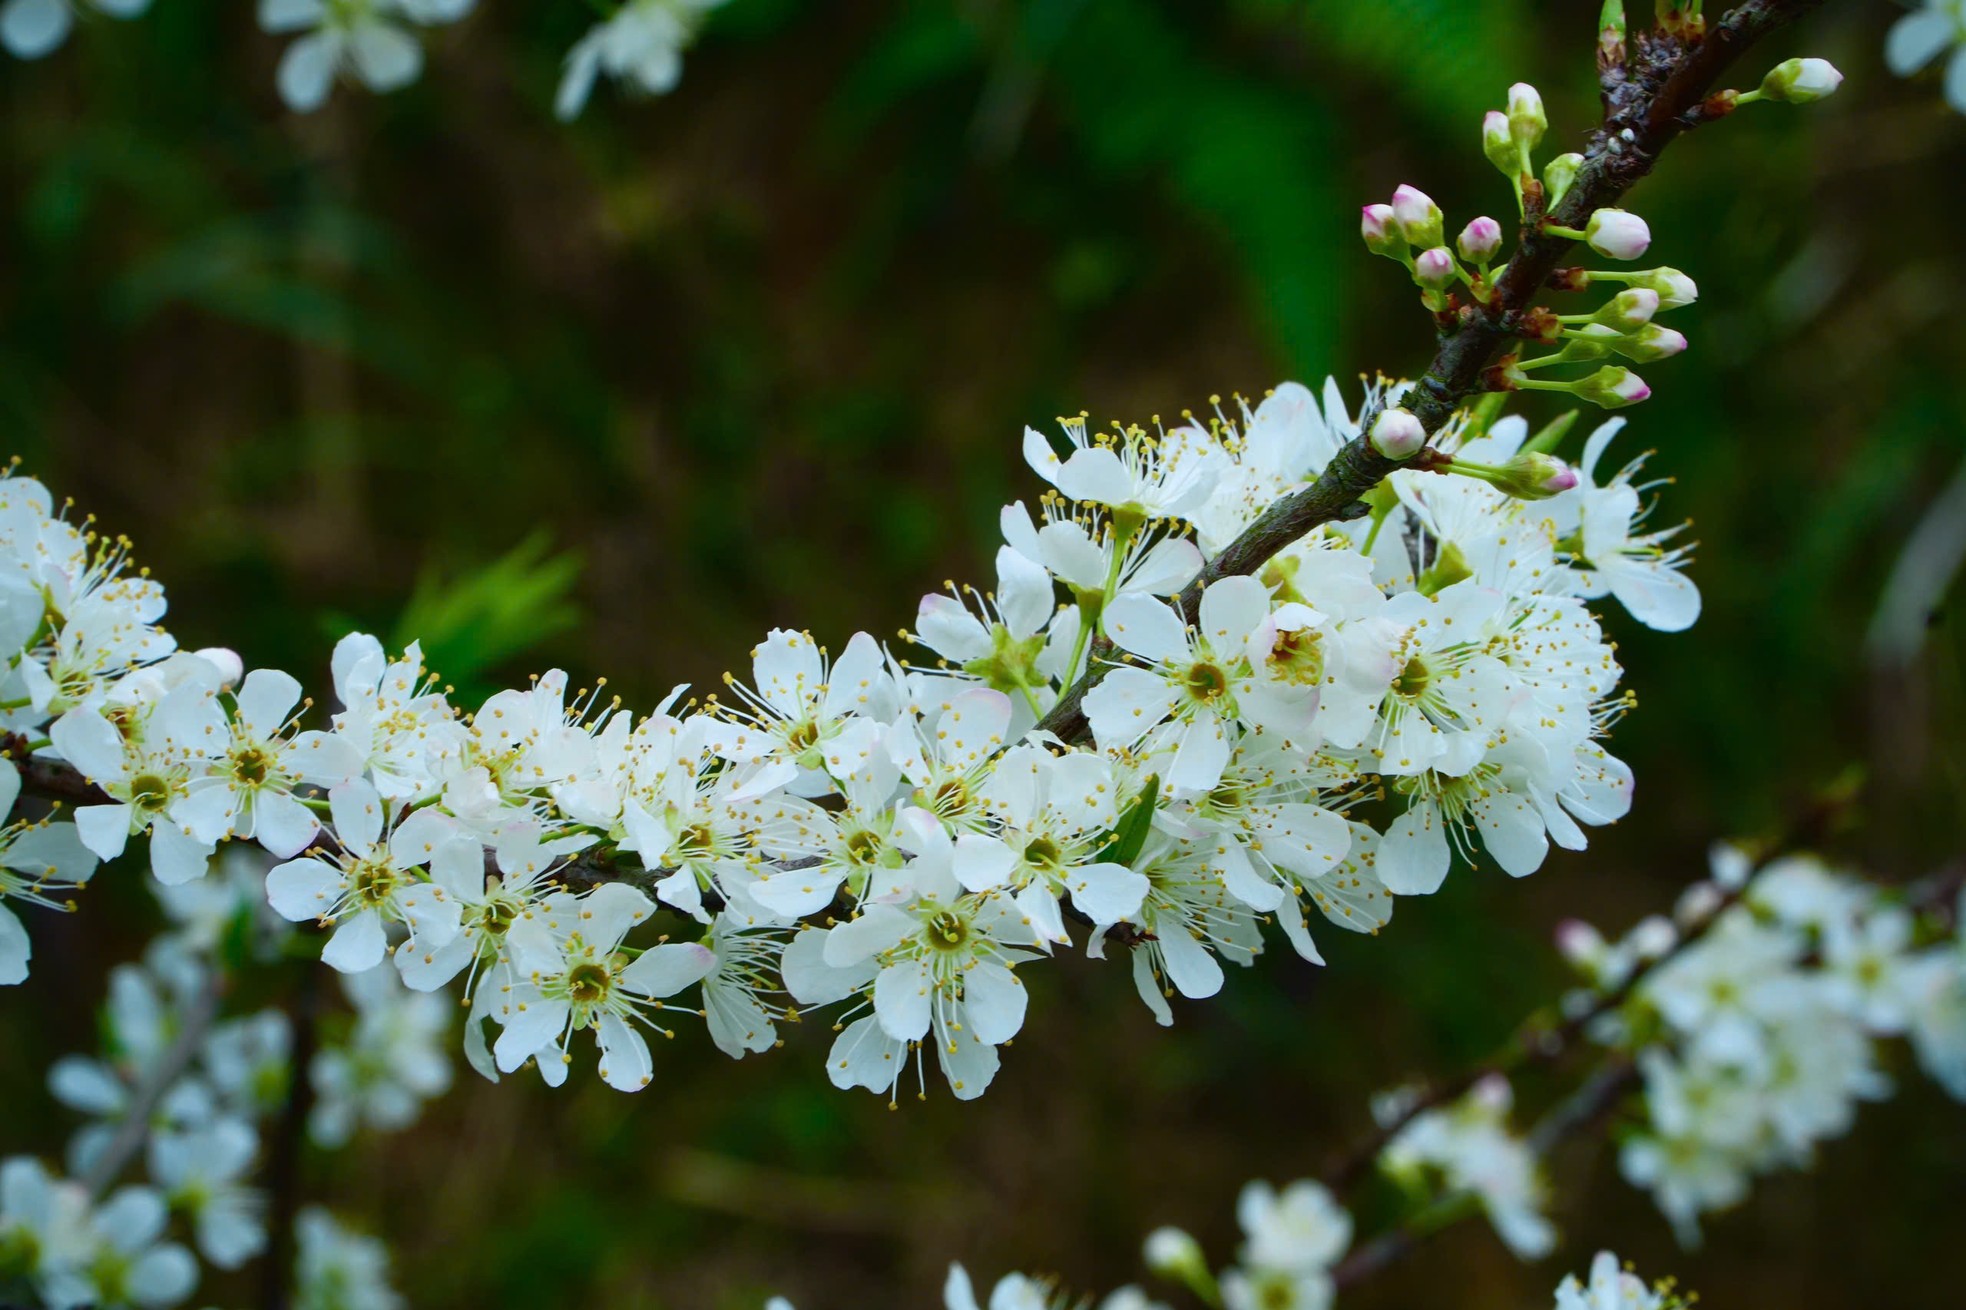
[372, 882]
[1041, 853]
[1413, 679]
[1298, 656]
[947, 931]
[862, 847]
[1205, 682]
[588, 984]
[251, 766]
[149, 793]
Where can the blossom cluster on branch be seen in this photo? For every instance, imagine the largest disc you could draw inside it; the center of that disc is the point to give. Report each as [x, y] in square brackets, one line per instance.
[895, 834]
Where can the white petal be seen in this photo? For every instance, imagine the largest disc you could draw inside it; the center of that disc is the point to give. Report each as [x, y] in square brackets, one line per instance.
[357, 945]
[1916, 40]
[1125, 705]
[1106, 893]
[282, 824]
[15, 949]
[625, 1064]
[1231, 609]
[1190, 966]
[994, 1001]
[1513, 832]
[666, 969]
[301, 890]
[1413, 855]
[176, 857]
[902, 994]
[1147, 627]
[266, 698]
[305, 75]
[32, 28]
[385, 56]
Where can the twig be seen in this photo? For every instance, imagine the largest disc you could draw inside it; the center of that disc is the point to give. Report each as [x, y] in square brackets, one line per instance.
[1595, 1098]
[194, 1022]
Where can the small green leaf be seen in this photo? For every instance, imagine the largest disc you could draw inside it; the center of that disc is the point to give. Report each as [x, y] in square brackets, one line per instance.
[1130, 833]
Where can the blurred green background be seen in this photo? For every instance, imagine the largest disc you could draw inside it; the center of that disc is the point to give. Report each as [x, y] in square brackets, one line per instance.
[758, 353]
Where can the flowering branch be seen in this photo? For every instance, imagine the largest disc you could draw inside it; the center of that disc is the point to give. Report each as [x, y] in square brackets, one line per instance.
[1645, 109]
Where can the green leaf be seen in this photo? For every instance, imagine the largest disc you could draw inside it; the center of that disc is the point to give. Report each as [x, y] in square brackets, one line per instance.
[1130, 833]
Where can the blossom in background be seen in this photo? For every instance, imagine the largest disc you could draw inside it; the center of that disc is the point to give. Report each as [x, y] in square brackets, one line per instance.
[1923, 35]
[1469, 1146]
[338, 1268]
[391, 1063]
[1612, 1288]
[369, 39]
[32, 28]
[640, 46]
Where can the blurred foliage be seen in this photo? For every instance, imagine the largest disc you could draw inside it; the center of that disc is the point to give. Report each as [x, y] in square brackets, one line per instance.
[757, 354]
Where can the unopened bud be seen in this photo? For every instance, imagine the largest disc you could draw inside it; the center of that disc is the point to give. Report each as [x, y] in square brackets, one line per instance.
[1177, 1257]
[1499, 145]
[1434, 269]
[226, 660]
[1381, 233]
[1417, 215]
[1651, 342]
[1592, 341]
[1612, 387]
[1479, 240]
[1558, 174]
[1800, 81]
[1629, 310]
[1617, 234]
[1533, 475]
[1397, 434]
[1526, 119]
[1674, 287]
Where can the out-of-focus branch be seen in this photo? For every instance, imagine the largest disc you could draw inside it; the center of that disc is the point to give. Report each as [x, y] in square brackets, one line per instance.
[194, 1022]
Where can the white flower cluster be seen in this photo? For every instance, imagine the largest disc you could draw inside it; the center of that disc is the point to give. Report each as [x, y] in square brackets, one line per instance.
[1468, 1147]
[1292, 1240]
[1440, 652]
[1759, 1038]
[198, 1120]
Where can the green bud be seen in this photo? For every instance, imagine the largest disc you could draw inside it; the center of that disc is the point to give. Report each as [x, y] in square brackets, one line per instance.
[1800, 81]
[1558, 174]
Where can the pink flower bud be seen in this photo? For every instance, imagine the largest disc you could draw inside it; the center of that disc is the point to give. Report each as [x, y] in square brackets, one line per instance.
[1397, 435]
[1579, 942]
[1434, 268]
[1499, 145]
[1617, 234]
[1533, 475]
[1612, 387]
[1526, 119]
[1651, 342]
[1479, 240]
[1381, 233]
[1417, 215]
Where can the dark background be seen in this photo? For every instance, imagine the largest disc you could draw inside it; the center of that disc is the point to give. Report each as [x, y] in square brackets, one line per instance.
[759, 353]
